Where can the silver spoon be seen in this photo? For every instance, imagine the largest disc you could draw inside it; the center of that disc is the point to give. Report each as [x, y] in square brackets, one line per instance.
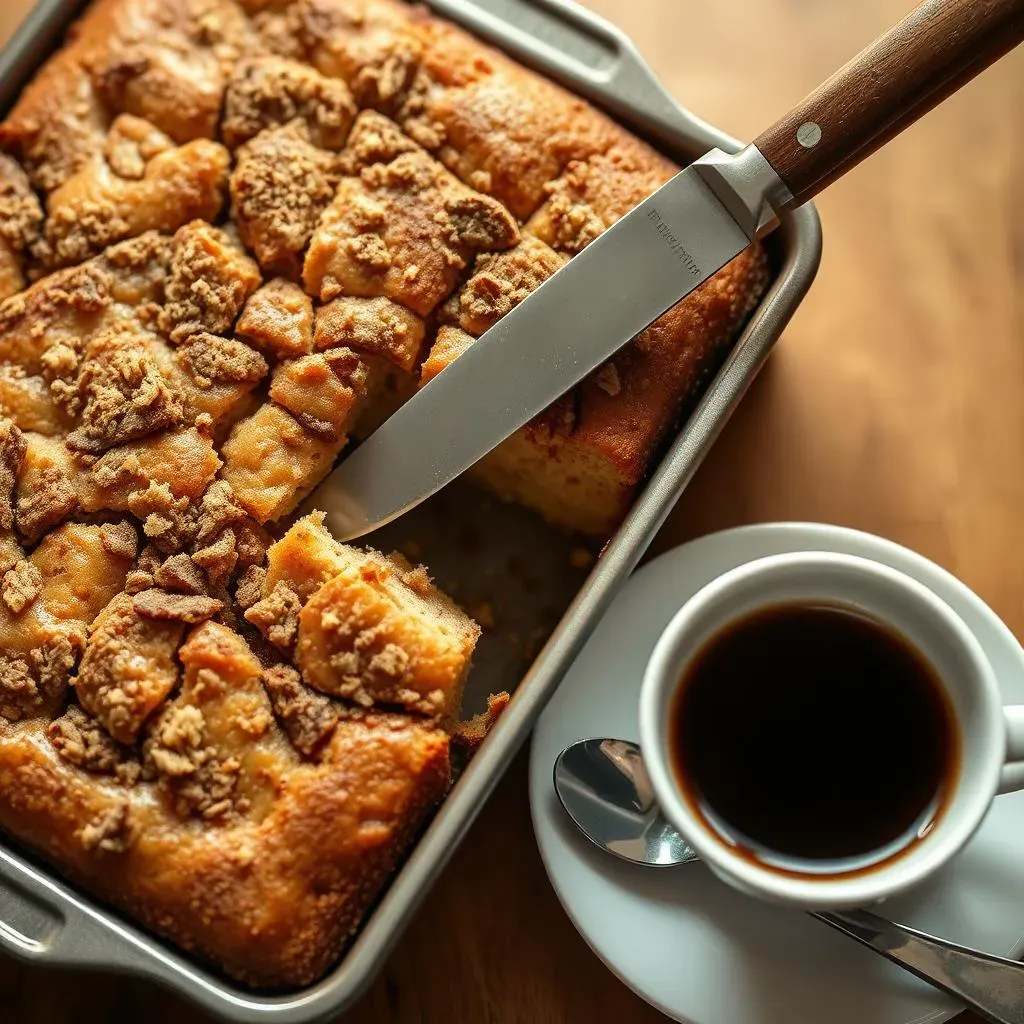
[605, 790]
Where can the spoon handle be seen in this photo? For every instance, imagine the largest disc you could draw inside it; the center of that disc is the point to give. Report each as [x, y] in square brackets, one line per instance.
[992, 986]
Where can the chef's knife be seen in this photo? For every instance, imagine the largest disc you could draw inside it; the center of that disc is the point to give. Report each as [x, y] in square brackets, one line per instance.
[656, 255]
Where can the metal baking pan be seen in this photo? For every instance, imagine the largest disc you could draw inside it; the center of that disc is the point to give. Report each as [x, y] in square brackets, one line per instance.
[523, 569]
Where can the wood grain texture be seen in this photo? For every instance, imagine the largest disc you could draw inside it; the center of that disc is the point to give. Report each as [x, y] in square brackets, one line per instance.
[934, 50]
[894, 403]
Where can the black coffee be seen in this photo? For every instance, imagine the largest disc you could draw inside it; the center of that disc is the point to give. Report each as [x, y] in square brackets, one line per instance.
[812, 732]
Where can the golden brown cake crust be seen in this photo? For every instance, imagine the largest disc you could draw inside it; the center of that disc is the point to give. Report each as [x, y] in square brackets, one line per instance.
[274, 900]
[234, 234]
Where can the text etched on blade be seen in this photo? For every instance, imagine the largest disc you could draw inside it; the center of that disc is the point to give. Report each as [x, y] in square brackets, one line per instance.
[674, 244]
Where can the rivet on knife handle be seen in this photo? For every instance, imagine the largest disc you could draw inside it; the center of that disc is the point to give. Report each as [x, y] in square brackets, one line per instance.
[930, 54]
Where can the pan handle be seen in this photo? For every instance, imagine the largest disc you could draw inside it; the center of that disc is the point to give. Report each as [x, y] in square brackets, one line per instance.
[567, 42]
[43, 921]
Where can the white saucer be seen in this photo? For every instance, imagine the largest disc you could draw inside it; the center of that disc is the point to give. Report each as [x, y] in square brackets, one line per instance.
[687, 943]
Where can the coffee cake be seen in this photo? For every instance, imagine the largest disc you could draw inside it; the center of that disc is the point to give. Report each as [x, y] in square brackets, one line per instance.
[234, 235]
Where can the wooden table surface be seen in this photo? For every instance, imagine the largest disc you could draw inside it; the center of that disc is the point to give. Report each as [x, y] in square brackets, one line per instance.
[894, 403]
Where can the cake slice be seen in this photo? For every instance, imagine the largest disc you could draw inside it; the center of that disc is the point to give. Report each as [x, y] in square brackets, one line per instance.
[380, 633]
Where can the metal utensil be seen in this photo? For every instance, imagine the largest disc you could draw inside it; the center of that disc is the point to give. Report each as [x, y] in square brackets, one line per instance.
[657, 254]
[604, 789]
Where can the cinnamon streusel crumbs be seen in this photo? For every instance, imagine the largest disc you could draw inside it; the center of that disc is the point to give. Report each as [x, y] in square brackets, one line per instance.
[306, 716]
[250, 586]
[209, 283]
[180, 573]
[20, 586]
[280, 187]
[21, 218]
[110, 831]
[161, 604]
[375, 326]
[271, 91]
[81, 741]
[34, 683]
[13, 449]
[402, 228]
[210, 359]
[120, 395]
[276, 616]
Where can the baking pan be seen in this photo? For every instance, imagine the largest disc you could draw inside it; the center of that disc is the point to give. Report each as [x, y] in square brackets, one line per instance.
[526, 581]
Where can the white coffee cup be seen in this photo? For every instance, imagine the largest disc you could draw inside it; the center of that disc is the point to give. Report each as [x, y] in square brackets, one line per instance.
[991, 736]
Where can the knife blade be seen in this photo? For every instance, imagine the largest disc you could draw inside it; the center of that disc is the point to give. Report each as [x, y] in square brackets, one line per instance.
[656, 255]
[577, 319]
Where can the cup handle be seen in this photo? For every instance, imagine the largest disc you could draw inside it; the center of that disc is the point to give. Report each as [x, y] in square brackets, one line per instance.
[1012, 777]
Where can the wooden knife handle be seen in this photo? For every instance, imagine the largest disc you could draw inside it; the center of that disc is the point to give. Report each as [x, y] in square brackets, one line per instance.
[937, 48]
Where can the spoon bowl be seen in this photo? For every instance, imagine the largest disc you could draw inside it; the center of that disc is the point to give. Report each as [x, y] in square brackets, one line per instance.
[603, 787]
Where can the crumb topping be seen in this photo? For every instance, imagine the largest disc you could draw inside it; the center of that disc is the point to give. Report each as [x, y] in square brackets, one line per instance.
[19, 691]
[20, 212]
[403, 228]
[276, 616]
[160, 604]
[35, 684]
[209, 283]
[211, 359]
[196, 780]
[21, 219]
[271, 91]
[120, 395]
[81, 741]
[369, 47]
[180, 573]
[20, 586]
[12, 454]
[375, 139]
[110, 831]
[500, 281]
[375, 326]
[250, 586]
[280, 186]
[218, 558]
[49, 500]
[169, 522]
[120, 539]
[218, 509]
[306, 716]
